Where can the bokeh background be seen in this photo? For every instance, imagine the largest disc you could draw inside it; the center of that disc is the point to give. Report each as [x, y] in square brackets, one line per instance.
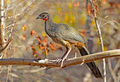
[27, 33]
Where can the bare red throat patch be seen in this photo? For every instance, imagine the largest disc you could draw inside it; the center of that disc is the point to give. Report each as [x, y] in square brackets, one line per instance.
[45, 19]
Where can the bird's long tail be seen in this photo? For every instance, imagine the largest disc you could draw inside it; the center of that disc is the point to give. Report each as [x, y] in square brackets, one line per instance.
[91, 65]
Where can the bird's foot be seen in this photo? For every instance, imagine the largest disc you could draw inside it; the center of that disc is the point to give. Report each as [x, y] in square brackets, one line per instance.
[60, 61]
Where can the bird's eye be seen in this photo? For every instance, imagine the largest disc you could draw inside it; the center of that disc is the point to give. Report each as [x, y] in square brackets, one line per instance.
[43, 15]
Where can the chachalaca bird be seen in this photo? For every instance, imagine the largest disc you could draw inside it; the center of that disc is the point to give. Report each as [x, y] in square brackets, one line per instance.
[67, 36]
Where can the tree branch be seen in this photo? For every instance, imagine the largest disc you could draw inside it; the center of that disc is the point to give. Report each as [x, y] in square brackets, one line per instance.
[69, 62]
[3, 48]
[100, 36]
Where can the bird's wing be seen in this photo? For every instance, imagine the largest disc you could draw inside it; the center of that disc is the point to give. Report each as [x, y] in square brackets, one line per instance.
[69, 34]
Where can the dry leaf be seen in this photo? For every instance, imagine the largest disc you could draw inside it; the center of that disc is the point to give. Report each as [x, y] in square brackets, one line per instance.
[33, 32]
[82, 32]
[24, 37]
[76, 4]
[45, 41]
[52, 46]
[39, 39]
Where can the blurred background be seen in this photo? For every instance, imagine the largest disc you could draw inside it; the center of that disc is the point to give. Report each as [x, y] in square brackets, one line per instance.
[30, 40]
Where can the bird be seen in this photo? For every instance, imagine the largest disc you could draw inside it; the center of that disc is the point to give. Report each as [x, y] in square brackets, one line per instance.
[67, 36]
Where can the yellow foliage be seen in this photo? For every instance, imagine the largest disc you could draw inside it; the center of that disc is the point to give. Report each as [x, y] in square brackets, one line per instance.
[72, 18]
[66, 18]
[98, 41]
[8, 1]
[83, 19]
[105, 48]
[69, 5]
[57, 19]
[35, 55]
[93, 22]
[71, 21]
[43, 34]
[58, 9]
[24, 28]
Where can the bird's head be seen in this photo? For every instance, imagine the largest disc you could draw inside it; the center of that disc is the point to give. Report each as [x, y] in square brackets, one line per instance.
[44, 16]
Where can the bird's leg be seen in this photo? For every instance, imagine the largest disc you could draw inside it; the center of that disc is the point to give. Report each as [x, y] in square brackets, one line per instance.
[69, 48]
[64, 57]
[64, 53]
[59, 60]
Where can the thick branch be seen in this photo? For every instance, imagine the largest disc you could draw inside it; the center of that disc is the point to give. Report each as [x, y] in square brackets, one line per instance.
[2, 21]
[69, 62]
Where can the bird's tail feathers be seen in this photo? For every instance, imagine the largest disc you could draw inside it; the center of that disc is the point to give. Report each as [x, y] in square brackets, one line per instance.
[91, 65]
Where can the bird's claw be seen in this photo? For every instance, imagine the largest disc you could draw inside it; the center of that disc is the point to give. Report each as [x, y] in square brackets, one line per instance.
[60, 61]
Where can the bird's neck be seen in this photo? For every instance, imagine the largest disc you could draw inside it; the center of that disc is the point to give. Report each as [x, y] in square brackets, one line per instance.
[48, 24]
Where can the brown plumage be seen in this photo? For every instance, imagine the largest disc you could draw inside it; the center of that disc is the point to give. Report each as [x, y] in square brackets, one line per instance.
[67, 36]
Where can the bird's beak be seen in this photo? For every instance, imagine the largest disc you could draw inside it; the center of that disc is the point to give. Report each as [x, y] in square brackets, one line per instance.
[38, 17]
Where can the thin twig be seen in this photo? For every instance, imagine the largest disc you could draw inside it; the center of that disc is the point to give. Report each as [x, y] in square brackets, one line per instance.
[112, 71]
[100, 37]
[1, 50]
[117, 66]
[8, 72]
